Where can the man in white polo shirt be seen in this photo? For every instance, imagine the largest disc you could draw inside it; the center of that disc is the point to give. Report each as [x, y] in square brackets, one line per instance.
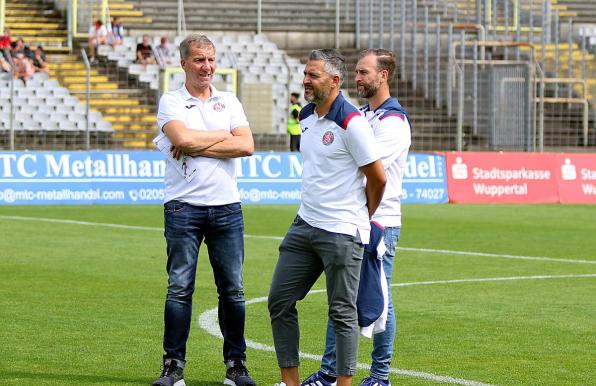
[210, 126]
[332, 224]
[374, 73]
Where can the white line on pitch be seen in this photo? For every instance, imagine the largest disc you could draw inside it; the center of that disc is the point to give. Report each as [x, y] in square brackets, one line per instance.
[208, 321]
[483, 280]
[504, 256]
[428, 250]
[76, 222]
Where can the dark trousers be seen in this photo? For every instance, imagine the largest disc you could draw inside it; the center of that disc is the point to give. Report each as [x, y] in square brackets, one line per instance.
[295, 142]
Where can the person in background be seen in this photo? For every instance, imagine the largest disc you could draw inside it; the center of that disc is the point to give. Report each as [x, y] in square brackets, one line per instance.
[5, 39]
[374, 73]
[23, 67]
[39, 60]
[98, 35]
[211, 127]
[294, 123]
[145, 52]
[342, 185]
[164, 51]
[19, 47]
[115, 32]
[4, 62]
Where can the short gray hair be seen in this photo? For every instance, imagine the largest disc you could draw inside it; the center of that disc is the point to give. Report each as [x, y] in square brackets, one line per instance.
[194, 40]
[335, 64]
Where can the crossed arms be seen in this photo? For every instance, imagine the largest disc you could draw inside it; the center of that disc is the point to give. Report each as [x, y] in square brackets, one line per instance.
[213, 144]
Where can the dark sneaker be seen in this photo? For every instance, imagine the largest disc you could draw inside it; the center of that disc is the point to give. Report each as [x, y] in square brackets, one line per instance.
[372, 381]
[317, 379]
[172, 375]
[237, 374]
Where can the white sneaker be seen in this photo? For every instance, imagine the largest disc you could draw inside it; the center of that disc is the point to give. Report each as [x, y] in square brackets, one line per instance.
[280, 384]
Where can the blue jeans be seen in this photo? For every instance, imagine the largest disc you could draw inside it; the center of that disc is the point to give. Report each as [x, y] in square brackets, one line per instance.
[382, 342]
[222, 228]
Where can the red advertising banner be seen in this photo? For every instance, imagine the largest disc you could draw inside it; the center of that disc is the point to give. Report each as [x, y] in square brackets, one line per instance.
[577, 178]
[527, 178]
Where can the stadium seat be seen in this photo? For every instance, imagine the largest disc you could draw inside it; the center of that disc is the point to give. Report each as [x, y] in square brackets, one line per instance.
[49, 125]
[66, 125]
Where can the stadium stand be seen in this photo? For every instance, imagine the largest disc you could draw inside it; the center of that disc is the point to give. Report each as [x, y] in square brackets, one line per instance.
[553, 37]
[259, 61]
[434, 123]
[241, 15]
[123, 117]
[45, 112]
[584, 10]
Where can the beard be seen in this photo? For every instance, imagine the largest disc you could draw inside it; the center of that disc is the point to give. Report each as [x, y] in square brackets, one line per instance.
[317, 95]
[367, 90]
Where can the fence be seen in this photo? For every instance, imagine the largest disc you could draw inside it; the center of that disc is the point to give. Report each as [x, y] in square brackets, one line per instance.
[466, 60]
[493, 75]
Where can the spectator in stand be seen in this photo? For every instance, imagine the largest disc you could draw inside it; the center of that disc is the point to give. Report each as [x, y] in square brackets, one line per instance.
[5, 39]
[98, 35]
[164, 51]
[23, 67]
[4, 63]
[19, 47]
[115, 32]
[145, 52]
[39, 60]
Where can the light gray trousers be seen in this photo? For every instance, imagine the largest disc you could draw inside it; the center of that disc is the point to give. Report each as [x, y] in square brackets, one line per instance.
[304, 254]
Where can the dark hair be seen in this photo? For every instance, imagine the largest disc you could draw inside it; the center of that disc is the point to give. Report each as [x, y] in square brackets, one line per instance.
[295, 95]
[335, 64]
[385, 60]
[194, 40]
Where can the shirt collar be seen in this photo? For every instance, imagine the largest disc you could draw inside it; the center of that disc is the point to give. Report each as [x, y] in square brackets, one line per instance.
[335, 107]
[186, 95]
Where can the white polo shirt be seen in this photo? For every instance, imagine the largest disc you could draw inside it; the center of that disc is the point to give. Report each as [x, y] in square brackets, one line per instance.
[392, 134]
[333, 148]
[215, 182]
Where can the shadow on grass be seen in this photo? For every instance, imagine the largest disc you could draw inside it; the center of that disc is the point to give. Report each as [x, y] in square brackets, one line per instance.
[80, 379]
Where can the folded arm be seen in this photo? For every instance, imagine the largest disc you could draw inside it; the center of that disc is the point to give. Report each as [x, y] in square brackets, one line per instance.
[239, 144]
[189, 141]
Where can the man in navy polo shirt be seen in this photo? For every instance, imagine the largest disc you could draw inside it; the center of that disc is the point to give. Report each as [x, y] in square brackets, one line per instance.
[332, 224]
[374, 72]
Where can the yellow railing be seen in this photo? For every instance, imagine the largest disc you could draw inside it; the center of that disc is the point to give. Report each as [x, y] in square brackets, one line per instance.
[2, 13]
[76, 17]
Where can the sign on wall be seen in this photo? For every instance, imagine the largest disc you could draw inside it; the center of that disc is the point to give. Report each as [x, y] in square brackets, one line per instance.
[501, 177]
[122, 177]
[577, 178]
[95, 177]
[425, 180]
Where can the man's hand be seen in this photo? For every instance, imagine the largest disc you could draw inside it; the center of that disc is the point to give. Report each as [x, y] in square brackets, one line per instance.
[176, 152]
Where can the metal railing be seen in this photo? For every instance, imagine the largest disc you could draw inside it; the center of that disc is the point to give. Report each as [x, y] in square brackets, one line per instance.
[87, 96]
[454, 59]
[11, 99]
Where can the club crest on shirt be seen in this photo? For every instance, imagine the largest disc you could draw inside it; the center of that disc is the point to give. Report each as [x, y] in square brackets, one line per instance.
[328, 138]
[219, 106]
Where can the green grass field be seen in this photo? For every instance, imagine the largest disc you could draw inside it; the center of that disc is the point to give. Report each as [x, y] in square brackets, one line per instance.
[500, 295]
